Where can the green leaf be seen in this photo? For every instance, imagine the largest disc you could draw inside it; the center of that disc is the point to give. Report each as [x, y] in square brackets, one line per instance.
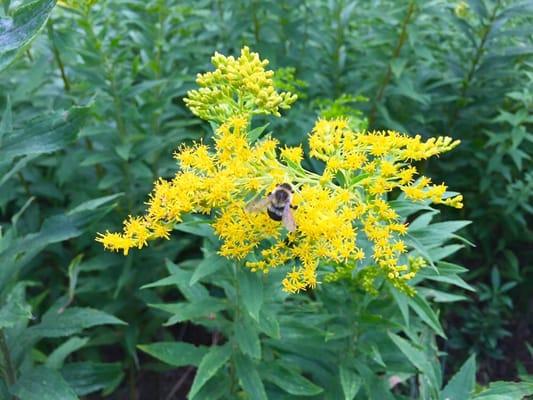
[203, 308]
[21, 29]
[289, 380]
[18, 214]
[358, 178]
[45, 134]
[19, 165]
[71, 321]
[444, 276]
[181, 278]
[406, 208]
[350, 382]
[217, 388]
[15, 308]
[401, 300]
[73, 272]
[196, 226]
[375, 355]
[447, 268]
[462, 383]
[124, 150]
[420, 360]
[442, 297]
[249, 378]
[93, 204]
[255, 133]
[6, 125]
[41, 383]
[247, 337]
[422, 221]
[210, 364]
[208, 266]
[269, 324]
[88, 377]
[414, 355]
[505, 391]
[413, 242]
[55, 229]
[251, 291]
[440, 253]
[177, 354]
[375, 387]
[424, 311]
[57, 357]
[448, 227]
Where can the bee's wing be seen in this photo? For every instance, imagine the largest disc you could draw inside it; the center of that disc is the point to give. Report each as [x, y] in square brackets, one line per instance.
[288, 219]
[257, 205]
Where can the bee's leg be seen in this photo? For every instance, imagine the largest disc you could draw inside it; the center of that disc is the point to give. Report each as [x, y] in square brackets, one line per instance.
[294, 207]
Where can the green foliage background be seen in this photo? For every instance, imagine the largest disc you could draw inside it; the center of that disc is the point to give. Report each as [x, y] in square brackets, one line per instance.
[92, 102]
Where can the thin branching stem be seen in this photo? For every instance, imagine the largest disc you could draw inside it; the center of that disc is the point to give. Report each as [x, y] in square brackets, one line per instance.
[395, 54]
[179, 383]
[9, 369]
[236, 315]
[257, 25]
[118, 116]
[24, 183]
[57, 55]
[478, 54]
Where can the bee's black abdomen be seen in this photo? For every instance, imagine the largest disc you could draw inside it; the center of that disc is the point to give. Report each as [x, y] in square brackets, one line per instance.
[274, 214]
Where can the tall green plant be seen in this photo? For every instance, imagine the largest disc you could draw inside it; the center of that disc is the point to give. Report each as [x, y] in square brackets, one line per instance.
[265, 343]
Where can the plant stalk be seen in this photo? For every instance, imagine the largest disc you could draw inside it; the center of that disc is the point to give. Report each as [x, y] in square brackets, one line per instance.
[57, 55]
[9, 369]
[473, 66]
[395, 54]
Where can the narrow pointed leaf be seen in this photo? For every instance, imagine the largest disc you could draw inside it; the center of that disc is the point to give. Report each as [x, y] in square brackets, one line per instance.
[462, 383]
[249, 378]
[251, 290]
[208, 367]
[45, 133]
[20, 29]
[177, 354]
[350, 382]
[42, 384]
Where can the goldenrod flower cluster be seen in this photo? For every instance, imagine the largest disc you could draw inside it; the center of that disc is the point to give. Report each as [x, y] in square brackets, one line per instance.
[338, 212]
[237, 87]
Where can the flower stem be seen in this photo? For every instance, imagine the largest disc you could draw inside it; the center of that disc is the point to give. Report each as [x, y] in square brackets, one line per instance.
[473, 66]
[8, 370]
[57, 55]
[233, 369]
[395, 54]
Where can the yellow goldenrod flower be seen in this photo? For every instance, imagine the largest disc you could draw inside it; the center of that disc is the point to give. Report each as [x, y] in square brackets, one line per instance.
[292, 154]
[334, 212]
[237, 87]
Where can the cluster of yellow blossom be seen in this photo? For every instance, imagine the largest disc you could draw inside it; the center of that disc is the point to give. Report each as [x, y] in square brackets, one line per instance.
[237, 87]
[378, 161]
[344, 224]
[333, 212]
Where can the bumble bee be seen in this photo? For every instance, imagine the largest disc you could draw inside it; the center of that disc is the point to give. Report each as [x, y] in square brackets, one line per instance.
[277, 205]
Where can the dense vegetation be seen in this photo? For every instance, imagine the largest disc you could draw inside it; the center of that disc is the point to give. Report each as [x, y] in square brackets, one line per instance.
[92, 108]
